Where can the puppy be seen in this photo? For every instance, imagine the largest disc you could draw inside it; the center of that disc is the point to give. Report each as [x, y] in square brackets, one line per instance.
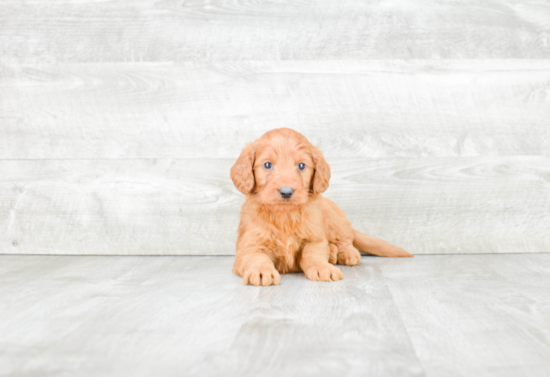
[286, 224]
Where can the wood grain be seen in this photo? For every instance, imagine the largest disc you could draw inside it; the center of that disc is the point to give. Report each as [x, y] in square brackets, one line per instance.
[190, 207]
[119, 120]
[192, 316]
[452, 315]
[481, 310]
[170, 30]
[350, 108]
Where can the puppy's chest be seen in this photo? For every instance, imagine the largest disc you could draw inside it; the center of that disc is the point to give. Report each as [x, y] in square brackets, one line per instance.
[284, 248]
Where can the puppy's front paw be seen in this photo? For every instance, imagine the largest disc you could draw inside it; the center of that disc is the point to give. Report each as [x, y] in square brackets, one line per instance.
[261, 276]
[324, 272]
[349, 256]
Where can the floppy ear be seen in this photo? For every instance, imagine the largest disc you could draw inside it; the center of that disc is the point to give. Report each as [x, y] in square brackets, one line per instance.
[241, 172]
[321, 175]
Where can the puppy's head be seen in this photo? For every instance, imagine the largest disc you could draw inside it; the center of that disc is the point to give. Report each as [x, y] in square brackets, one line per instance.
[281, 168]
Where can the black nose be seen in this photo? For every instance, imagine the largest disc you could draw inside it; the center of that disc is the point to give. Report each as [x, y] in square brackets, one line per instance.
[286, 192]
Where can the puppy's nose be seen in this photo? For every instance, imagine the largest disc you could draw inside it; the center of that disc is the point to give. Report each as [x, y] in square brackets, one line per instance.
[286, 192]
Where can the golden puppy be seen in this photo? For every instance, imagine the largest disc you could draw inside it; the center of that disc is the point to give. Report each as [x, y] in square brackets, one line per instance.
[286, 224]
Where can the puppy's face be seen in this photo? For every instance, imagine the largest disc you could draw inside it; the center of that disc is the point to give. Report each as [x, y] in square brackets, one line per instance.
[282, 168]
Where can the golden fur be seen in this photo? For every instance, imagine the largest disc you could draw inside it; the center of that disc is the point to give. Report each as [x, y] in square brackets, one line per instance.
[306, 232]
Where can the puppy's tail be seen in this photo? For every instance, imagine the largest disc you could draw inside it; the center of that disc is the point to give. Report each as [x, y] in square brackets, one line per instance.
[376, 246]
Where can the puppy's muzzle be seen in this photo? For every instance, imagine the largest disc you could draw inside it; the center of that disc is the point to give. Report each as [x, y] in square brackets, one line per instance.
[286, 192]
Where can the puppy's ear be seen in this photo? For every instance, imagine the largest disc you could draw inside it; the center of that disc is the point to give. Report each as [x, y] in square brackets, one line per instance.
[242, 174]
[321, 176]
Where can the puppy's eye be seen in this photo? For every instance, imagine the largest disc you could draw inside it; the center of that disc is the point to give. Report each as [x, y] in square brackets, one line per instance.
[301, 166]
[268, 165]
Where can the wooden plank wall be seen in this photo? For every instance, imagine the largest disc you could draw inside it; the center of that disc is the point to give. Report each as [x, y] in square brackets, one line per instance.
[120, 120]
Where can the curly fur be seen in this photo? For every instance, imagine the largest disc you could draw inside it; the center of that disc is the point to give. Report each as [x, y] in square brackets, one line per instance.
[306, 232]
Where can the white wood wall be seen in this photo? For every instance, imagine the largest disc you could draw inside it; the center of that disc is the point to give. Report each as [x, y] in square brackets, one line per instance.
[120, 120]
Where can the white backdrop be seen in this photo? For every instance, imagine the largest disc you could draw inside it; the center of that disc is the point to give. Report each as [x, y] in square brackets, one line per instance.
[120, 120]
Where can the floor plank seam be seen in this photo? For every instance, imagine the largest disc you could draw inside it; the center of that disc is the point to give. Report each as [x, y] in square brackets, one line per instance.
[385, 282]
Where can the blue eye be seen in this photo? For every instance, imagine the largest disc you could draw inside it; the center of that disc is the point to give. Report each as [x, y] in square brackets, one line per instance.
[301, 166]
[268, 165]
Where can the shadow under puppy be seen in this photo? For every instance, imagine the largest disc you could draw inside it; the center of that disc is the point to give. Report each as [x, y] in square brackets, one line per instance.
[286, 224]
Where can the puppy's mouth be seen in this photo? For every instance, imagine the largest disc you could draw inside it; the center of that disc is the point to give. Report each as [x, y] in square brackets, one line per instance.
[284, 205]
[283, 202]
[281, 198]
[294, 201]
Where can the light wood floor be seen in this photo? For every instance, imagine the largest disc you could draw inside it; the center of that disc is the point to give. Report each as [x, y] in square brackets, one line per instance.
[439, 315]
